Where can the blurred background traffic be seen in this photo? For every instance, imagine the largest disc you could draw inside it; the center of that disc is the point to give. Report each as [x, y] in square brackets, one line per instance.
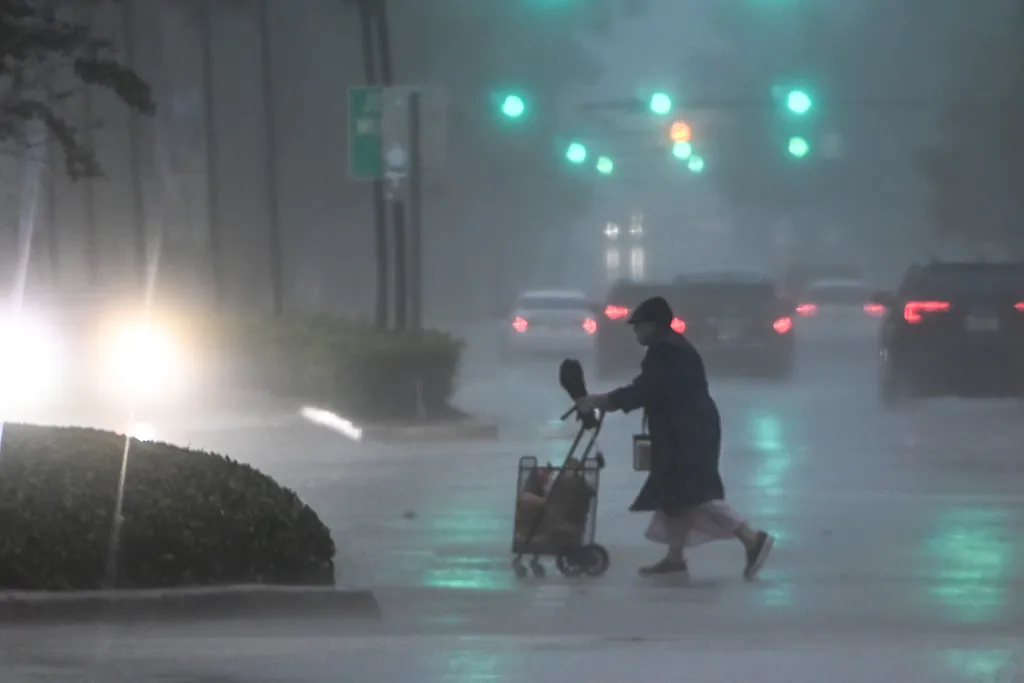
[584, 142]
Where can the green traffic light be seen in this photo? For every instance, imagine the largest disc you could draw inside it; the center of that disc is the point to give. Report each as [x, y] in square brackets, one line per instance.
[682, 150]
[513, 106]
[576, 153]
[605, 165]
[661, 103]
[799, 147]
[695, 164]
[799, 102]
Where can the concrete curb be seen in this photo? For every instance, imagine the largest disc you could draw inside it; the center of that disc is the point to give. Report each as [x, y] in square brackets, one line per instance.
[188, 604]
[457, 430]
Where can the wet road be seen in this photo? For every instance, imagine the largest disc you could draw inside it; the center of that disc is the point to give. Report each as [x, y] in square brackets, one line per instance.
[898, 553]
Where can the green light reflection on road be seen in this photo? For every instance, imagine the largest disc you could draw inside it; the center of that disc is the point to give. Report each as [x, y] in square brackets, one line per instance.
[466, 538]
[470, 573]
[970, 555]
[981, 665]
[767, 437]
[474, 666]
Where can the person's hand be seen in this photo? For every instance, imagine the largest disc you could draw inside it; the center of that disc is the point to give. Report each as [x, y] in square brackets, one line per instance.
[592, 402]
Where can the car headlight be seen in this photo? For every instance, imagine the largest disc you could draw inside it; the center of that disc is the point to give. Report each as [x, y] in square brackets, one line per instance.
[144, 358]
[30, 359]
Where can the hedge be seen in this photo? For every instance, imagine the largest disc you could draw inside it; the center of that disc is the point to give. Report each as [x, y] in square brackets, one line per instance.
[190, 518]
[361, 372]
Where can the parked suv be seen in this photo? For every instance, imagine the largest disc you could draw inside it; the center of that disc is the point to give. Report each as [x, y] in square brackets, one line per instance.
[953, 328]
[737, 320]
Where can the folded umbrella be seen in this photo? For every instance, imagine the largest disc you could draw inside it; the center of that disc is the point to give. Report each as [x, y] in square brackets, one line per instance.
[570, 376]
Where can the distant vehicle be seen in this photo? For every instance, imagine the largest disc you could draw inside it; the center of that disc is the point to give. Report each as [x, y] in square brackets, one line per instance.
[838, 310]
[85, 352]
[616, 347]
[953, 328]
[739, 320]
[799, 276]
[551, 322]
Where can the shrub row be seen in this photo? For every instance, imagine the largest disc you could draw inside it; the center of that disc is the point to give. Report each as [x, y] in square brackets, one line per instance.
[361, 372]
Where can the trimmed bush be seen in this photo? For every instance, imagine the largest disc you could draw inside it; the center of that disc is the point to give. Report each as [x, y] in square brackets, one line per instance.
[189, 518]
[363, 373]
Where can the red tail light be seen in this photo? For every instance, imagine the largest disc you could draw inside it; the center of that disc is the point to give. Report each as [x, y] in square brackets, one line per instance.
[913, 310]
[616, 312]
[874, 310]
[590, 326]
[1019, 306]
[520, 325]
[783, 325]
[807, 310]
[678, 325]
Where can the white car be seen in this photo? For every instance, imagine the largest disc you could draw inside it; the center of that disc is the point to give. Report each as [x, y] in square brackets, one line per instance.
[838, 310]
[551, 322]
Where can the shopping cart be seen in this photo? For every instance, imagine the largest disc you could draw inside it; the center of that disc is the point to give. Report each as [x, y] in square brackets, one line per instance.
[556, 508]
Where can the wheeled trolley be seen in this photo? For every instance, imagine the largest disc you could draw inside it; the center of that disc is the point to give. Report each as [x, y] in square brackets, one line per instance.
[556, 509]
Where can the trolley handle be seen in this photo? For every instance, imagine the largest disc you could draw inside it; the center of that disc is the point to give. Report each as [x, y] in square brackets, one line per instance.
[569, 413]
[592, 421]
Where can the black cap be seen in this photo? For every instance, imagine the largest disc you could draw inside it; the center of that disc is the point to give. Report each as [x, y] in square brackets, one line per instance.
[654, 310]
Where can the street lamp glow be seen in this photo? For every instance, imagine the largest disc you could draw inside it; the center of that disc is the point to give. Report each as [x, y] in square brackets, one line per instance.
[799, 102]
[696, 164]
[513, 106]
[798, 147]
[605, 165]
[682, 150]
[576, 153]
[661, 103]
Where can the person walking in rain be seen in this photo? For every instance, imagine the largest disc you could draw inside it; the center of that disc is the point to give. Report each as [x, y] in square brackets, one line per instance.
[684, 489]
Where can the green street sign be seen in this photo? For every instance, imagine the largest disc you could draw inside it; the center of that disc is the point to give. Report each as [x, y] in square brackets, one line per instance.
[365, 160]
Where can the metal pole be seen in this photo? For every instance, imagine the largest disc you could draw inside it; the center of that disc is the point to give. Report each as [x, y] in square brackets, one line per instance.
[92, 245]
[401, 265]
[415, 211]
[387, 73]
[52, 241]
[382, 303]
[213, 225]
[273, 199]
[138, 193]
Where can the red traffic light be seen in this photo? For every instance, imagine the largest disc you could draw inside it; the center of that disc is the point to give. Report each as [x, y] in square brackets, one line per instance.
[680, 132]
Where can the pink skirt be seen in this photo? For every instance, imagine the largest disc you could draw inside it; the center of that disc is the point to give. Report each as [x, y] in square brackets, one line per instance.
[711, 521]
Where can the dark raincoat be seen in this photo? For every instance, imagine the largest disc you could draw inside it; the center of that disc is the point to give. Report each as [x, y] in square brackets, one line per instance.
[684, 426]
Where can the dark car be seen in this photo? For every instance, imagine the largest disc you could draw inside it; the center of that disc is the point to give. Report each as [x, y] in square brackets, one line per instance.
[616, 348]
[799, 276]
[953, 329]
[738, 321]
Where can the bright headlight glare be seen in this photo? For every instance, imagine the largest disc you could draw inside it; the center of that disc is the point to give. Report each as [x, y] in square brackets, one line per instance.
[144, 357]
[29, 356]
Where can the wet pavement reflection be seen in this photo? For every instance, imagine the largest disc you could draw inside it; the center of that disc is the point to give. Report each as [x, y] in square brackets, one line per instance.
[899, 542]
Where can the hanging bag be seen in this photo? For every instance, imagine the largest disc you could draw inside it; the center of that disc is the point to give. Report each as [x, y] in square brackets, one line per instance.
[642, 448]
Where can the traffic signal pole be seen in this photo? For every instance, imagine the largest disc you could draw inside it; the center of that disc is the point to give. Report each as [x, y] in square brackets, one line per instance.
[382, 303]
[415, 211]
[398, 208]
